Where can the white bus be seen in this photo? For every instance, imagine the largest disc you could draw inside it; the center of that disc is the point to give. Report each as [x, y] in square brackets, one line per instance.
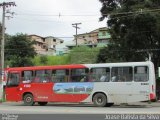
[103, 84]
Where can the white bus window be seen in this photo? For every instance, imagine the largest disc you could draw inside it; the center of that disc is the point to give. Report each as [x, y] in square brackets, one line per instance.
[100, 74]
[141, 74]
[60, 76]
[122, 74]
[79, 75]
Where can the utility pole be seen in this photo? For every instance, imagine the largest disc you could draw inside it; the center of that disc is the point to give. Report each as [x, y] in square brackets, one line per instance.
[75, 25]
[4, 5]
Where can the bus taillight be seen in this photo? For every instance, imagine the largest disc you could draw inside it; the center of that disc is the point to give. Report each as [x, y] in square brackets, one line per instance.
[152, 95]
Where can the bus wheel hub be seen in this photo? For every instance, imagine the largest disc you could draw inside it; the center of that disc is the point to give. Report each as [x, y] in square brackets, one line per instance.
[28, 99]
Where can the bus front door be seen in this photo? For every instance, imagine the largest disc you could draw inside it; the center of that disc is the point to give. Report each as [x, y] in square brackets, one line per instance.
[12, 88]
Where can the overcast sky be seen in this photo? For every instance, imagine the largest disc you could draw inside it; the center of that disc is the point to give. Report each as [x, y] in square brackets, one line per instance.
[41, 17]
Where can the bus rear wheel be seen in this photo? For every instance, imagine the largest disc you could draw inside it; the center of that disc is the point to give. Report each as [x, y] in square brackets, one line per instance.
[100, 100]
[42, 103]
[28, 100]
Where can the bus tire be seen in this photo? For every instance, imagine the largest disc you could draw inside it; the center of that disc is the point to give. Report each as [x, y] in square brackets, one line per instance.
[28, 100]
[100, 100]
[42, 103]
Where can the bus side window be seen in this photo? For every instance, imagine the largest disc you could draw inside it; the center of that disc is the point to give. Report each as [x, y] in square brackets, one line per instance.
[100, 74]
[79, 75]
[38, 76]
[141, 74]
[27, 76]
[42, 76]
[60, 75]
[48, 75]
[122, 74]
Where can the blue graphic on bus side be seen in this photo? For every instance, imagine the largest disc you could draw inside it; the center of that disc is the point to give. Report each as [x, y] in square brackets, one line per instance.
[73, 88]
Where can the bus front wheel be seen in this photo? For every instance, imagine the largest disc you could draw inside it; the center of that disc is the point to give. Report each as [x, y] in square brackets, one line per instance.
[28, 100]
[100, 100]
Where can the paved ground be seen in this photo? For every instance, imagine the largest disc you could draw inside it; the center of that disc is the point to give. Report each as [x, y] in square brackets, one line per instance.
[134, 108]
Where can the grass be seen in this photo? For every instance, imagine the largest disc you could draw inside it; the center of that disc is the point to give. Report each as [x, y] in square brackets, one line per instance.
[4, 98]
[51, 60]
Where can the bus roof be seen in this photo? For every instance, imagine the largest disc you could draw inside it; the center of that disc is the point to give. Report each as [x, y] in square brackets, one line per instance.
[46, 67]
[120, 64]
[72, 66]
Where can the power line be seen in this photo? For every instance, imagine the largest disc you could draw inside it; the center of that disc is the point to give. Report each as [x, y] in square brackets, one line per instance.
[85, 15]
[57, 15]
[135, 12]
[114, 15]
[54, 20]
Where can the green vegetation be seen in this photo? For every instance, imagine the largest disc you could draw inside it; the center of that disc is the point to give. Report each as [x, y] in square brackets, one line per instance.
[158, 84]
[83, 55]
[78, 55]
[51, 60]
[3, 99]
[19, 50]
[134, 28]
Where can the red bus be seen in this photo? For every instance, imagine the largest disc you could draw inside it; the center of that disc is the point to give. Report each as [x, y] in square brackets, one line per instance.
[102, 84]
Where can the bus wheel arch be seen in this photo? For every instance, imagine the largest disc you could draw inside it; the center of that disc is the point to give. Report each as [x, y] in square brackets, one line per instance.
[99, 99]
[28, 99]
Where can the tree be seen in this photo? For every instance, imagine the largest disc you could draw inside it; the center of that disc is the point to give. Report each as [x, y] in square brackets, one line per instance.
[134, 28]
[19, 50]
[43, 59]
[0, 30]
